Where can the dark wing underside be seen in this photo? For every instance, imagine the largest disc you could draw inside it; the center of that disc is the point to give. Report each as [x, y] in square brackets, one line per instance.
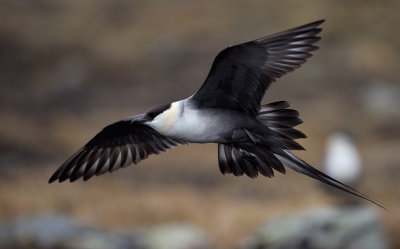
[240, 75]
[116, 146]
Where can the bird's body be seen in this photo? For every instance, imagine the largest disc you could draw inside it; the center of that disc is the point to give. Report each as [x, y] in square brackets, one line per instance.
[252, 138]
[184, 121]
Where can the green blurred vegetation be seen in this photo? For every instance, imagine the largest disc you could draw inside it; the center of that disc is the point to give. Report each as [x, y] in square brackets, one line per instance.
[68, 68]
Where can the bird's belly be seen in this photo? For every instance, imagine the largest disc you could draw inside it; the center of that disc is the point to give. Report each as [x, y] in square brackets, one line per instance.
[196, 127]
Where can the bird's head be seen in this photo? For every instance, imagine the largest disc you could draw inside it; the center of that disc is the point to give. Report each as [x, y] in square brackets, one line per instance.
[150, 115]
[153, 113]
[162, 118]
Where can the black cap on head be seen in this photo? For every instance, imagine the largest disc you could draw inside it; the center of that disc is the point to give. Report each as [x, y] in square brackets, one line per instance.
[150, 115]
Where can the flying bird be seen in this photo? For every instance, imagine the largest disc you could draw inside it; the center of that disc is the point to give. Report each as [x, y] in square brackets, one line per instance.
[252, 138]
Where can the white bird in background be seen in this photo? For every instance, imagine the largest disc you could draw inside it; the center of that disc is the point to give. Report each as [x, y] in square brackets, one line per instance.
[252, 138]
[342, 159]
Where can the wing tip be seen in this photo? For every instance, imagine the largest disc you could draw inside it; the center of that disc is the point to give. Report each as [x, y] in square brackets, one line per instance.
[55, 176]
[313, 24]
[55, 179]
[318, 22]
[64, 177]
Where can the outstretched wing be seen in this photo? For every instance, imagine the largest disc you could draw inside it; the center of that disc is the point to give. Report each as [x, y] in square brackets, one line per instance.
[116, 146]
[240, 75]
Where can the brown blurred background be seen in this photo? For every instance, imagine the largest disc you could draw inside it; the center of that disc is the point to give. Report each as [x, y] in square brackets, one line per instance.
[68, 68]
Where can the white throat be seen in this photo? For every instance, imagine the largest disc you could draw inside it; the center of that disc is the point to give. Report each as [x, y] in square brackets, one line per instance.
[165, 121]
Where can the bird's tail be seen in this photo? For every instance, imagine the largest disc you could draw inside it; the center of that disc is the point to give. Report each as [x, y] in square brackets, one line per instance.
[295, 163]
[279, 118]
[257, 157]
[271, 152]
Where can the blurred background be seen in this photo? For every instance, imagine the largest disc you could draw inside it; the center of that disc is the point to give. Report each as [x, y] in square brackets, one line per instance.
[69, 68]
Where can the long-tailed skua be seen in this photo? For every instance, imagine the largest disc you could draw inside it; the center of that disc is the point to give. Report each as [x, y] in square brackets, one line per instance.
[252, 138]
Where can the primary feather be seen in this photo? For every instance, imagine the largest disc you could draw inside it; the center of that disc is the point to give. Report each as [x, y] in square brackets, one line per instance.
[240, 75]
